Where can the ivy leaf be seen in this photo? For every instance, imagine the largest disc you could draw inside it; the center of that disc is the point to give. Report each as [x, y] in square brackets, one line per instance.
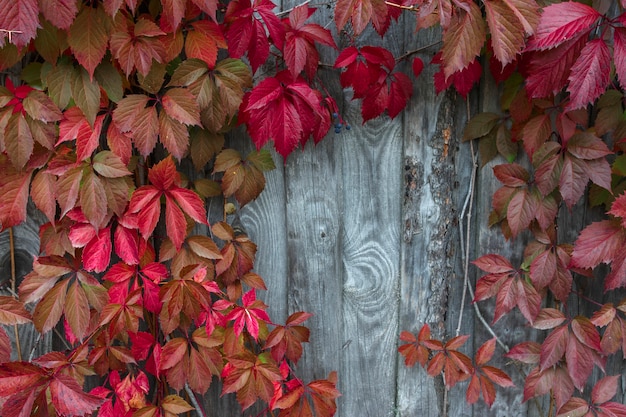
[203, 42]
[86, 94]
[251, 376]
[619, 52]
[463, 40]
[60, 13]
[300, 51]
[562, 22]
[18, 140]
[136, 45]
[507, 31]
[249, 315]
[69, 399]
[245, 32]
[359, 13]
[180, 105]
[145, 202]
[414, 351]
[548, 70]
[590, 74]
[13, 312]
[42, 193]
[88, 37]
[21, 18]
[284, 110]
[175, 405]
[286, 341]
[14, 190]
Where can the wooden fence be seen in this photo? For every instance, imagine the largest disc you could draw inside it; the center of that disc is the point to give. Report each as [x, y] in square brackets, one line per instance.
[364, 231]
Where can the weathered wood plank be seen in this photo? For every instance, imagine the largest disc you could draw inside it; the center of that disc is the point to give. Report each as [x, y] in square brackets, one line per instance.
[26, 247]
[314, 235]
[429, 225]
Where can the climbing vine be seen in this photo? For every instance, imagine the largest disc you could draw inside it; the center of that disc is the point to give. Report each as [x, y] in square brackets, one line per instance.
[116, 99]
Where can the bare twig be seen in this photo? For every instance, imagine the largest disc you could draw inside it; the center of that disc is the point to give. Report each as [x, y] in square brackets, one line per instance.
[10, 32]
[400, 6]
[18, 345]
[415, 51]
[194, 401]
[285, 12]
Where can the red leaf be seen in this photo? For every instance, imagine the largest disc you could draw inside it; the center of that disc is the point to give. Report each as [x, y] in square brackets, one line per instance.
[463, 40]
[21, 18]
[574, 407]
[599, 242]
[203, 42]
[511, 175]
[60, 13]
[14, 190]
[284, 110]
[579, 361]
[69, 399]
[548, 318]
[494, 264]
[13, 312]
[175, 222]
[77, 310]
[619, 52]
[590, 75]
[97, 253]
[553, 348]
[507, 31]
[526, 352]
[548, 70]
[359, 13]
[604, 389]
[418, 66]
[561, 22]
[485, 352]
[573, 180]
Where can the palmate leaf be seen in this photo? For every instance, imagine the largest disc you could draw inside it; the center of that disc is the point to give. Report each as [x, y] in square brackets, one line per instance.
[136, 44]
[300, 52]
[284, 110]
[246, 33]
[145, 202]
[360, 12]
[251, 376]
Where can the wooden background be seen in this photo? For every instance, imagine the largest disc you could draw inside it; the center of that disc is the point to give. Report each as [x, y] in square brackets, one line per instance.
[363, 230]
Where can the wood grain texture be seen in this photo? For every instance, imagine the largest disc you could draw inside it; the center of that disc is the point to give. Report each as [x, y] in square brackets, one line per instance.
[429, 235]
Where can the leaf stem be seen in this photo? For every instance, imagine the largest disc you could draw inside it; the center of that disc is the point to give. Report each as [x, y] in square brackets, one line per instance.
[18, 345]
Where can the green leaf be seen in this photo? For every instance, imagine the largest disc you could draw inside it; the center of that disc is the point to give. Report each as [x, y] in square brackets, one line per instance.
[111, 81]
[480, 125]
[86, 93]
[59, 83]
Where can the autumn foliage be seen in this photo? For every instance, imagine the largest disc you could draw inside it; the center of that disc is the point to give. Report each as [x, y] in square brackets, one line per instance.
[117, 95]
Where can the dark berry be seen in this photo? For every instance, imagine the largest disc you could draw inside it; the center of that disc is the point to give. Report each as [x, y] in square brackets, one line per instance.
[348, 127]
[335, 115]
[337, 130]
